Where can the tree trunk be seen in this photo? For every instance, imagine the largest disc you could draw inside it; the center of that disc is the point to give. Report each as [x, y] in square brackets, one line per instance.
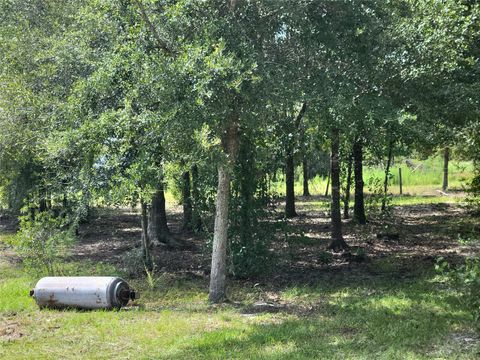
[218, 274]
[290, 168]
[64, 210]
[446, 159]
[306, 191]
[145, 238]
[387, 173]
[230, 140]
[32, 214]
[346, 203]
[157, 225]
[196, 215]
[43, 205]
[187, 202]
[337, 243]
[359, 205]
[290, 187]
[48, 201]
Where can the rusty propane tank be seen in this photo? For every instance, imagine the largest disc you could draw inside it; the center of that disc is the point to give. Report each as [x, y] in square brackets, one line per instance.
[83, 292]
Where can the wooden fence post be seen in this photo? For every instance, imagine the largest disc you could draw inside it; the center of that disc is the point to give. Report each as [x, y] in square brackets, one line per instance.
[400, 180]
[328, 185]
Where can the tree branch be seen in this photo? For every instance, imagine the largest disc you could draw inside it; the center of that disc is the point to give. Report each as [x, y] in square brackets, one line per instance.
[161, 44]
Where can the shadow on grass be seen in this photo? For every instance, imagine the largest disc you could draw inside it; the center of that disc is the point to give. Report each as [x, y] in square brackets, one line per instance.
[405, 320]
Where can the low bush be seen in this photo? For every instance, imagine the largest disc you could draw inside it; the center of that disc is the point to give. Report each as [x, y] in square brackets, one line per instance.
[133, 262]
[473, 199]
[466, 279]
[376, 197]
[325, 257]
[43, 243]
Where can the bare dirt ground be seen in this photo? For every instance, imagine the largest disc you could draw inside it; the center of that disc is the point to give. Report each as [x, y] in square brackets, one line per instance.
[414, 235]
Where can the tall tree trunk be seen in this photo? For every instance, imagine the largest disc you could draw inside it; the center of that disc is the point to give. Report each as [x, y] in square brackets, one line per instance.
[32, 215]
[230, 138]
[64, 210]
[157, 225]
[290, 168]
[48, 201]
[346, 203]
[387, 173]
[230, 141]
[337, 242]
[187, 202]
[446, 159]
[42, 204]
[145, 237]
[359, 205]
[196, 216]
[290, 187]
[306, 191]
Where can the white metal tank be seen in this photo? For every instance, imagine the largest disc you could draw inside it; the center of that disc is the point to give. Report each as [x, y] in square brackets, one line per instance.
[84, 292]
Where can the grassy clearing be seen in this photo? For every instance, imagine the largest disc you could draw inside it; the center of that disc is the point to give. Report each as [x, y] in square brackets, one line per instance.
[425, 179]
[323, 204]
[426, 199]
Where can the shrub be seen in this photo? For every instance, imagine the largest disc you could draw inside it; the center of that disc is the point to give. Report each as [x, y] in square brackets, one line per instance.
[248, 249]
[43, 243]
[359, 254]
[133, 262]
[373, 202]
[325, 257]
[474, 193]
[465, 278]
[250, 232]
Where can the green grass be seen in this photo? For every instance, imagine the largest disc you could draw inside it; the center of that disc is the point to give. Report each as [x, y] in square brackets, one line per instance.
[427, 199]
[7, 238]
[341, 317]
[425, 180]
[397, 200]
[427, 172]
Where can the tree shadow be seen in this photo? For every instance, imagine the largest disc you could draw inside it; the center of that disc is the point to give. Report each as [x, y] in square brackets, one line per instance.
[402, 320]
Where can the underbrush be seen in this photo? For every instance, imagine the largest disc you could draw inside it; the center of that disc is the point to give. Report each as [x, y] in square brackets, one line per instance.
[465, 278]
[43, 243]
[474, 194]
